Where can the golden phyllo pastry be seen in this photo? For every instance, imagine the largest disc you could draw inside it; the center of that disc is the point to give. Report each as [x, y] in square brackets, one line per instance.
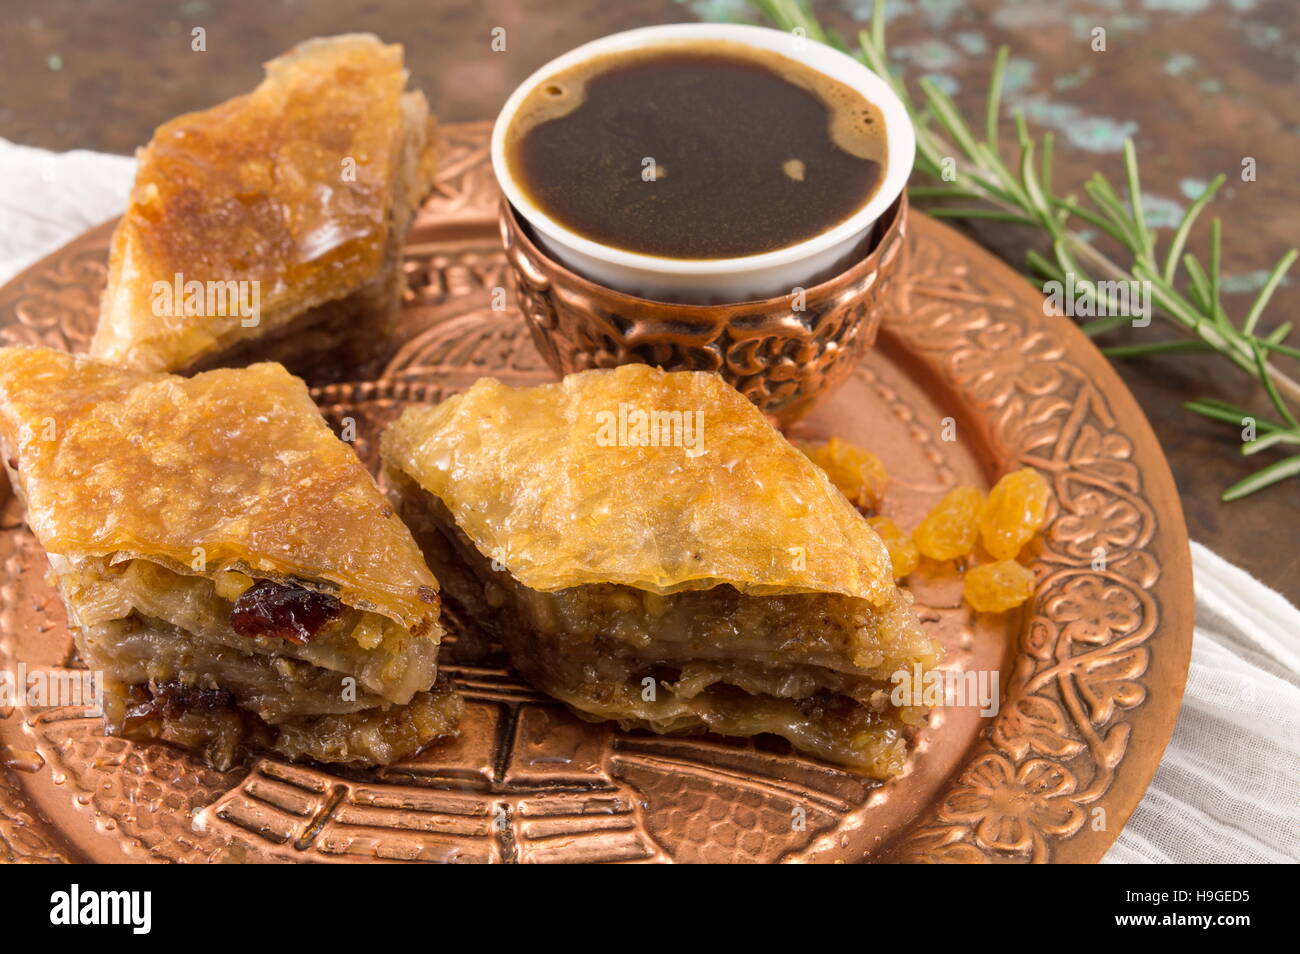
[650, 550]
[225, 560]
[271, 226]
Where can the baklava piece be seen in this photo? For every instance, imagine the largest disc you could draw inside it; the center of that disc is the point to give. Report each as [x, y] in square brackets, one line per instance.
[650, 550]
[226, 561]
[292, 202]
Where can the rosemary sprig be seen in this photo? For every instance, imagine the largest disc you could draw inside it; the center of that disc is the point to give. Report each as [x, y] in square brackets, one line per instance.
[1019, 190]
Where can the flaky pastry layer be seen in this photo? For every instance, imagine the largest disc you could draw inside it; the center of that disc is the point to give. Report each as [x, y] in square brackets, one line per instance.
[229, 469]
[306, 186]
[554, 483]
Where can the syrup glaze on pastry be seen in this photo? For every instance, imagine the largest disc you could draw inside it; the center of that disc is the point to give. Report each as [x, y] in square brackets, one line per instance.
[731, 588]
[225, 560]
[306, 186]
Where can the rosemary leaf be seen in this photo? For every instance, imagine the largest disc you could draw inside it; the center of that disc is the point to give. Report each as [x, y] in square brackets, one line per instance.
[1277, 471]
[1049, 140]
[945, 111]
[1029, 179]
[1185, 226]
[1100, 325]
[1100, 191]
[997, 215]
[1271, 439]
[1155, 347]
[1024, 196]
[1261, 300]
[1271, 388]
[1221, 411]
[1281, 348]
[1238, 414]
[1216, 264]
[941, 192]
[878, 26]
[994, 100]
[1135, 198]
[1044, 267]
[1092, 218]
[1279, 334]
[1200, 282]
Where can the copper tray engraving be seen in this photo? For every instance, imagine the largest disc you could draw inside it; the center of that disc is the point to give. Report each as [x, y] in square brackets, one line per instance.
[1092, 674]
[783, 353]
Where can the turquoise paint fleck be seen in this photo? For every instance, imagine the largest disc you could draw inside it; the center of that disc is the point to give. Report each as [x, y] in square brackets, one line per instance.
[1019, 16]
[1160, 212]
[1248, 281]
[1099, 134]
[1262, 35]
[1090, 133]
[929, 55]
[973, 43]
[1072, 80]
[720, 11]
[861, 11]
[1177, 64]
[940, 12]
[1192, 188]
[1081, 26]
[1018, 76]
[893, 8]
[945, 82]
[1177, 6]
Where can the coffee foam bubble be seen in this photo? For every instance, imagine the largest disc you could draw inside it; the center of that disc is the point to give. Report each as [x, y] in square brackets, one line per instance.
[856, 125]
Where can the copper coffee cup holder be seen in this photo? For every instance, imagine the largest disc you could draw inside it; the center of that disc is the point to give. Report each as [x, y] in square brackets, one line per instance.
[784, 354]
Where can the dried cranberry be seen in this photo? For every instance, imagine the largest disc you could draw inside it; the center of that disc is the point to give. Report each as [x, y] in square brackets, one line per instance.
[283, 609]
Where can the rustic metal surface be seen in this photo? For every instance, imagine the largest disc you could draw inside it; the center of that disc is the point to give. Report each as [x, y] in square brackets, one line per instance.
[1092, 673]
[784, 354]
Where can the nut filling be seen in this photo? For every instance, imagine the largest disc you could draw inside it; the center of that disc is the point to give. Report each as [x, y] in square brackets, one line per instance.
[226, 562]
[281, 667]
[812, 668]
[717, 583]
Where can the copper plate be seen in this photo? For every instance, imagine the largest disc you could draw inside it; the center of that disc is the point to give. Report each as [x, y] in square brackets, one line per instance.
[1092, 673]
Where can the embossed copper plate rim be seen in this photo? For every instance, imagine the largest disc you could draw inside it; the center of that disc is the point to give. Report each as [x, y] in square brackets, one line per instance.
[1090, 695]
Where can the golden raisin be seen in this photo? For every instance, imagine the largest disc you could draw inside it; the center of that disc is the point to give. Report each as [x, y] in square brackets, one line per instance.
[902, 551]
[949, 530]
[1016, 510]
[858, 473]
[995, 587]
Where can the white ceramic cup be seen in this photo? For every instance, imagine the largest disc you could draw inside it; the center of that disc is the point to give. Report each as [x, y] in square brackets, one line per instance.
[719, 280]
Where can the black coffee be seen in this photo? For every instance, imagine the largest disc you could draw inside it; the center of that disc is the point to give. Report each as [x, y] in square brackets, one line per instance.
[703, 149]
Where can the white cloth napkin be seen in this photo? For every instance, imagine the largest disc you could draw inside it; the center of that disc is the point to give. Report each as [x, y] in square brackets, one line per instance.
[48, 198]
[1228, 789]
